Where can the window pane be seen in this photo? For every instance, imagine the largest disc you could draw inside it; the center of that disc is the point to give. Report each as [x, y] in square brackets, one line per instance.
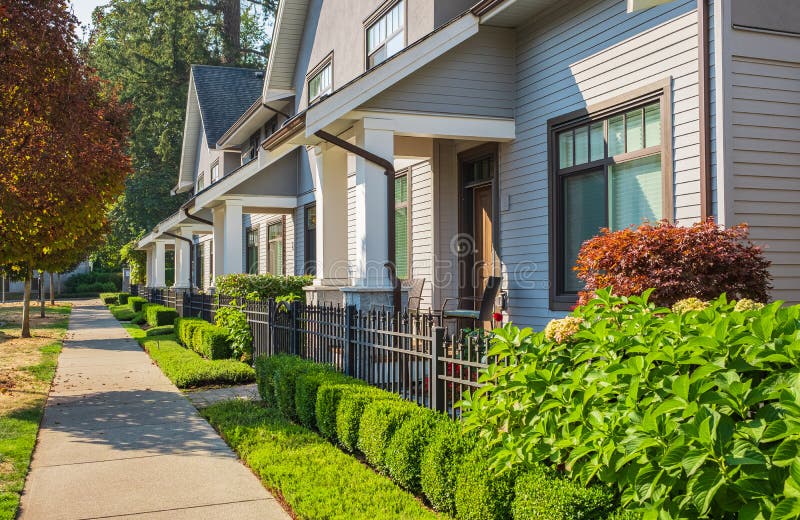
[401, 241]
[581, 145]
[634, 129]
[401, 189]
[635, 192]
[616, 136]
[652, 125]
[598, 142]
[584, 213]
[565, 149]
[394, 45]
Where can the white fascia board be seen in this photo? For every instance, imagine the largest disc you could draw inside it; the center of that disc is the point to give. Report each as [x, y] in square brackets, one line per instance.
[389, 73]
[189, 145]
[147, 241]
[641, 5]
[275, 94]
[246, 128]
[263, 203]
[443, 126]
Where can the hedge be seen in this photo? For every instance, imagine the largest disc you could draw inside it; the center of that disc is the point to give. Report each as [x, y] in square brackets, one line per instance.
[211, 342]
[480, 492]
[266, 368]
[306, 388]
[123, 298]
[350, 410]
[440, 463]
[122, 312]
[541, 494]
[185, 327]
[136, 303]
[378, 423]
[77, 283]
[158, 315]
[261, 286]
[404, 452]
[109, 298]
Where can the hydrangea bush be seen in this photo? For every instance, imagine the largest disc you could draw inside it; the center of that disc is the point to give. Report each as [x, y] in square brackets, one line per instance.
[686, 414]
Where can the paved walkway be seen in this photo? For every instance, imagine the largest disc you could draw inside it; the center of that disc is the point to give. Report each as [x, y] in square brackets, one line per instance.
[118, 440]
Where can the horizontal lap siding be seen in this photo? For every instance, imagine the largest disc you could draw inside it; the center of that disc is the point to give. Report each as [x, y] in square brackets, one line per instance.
[422, 257]
[261, 221]
[766, 163]
[567, 62]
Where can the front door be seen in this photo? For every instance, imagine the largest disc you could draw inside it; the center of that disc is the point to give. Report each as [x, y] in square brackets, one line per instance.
[482, 236]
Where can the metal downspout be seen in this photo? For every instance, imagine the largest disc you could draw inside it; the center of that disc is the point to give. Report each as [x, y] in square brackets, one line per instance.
[191, 256]
[388, 167]
[198, 219]
[704, 88]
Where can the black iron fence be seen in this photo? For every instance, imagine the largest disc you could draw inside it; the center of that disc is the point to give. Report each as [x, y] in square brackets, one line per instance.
[410, 354]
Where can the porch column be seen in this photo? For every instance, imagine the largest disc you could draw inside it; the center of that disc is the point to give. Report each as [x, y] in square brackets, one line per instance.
[183, 259]
[149, 262]
[160, 264]
[228, 231]
[330, 181]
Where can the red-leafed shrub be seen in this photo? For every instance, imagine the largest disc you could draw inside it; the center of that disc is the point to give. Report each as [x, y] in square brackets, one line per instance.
[703, 261]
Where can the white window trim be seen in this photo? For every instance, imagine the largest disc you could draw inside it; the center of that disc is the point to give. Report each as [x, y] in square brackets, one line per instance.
[399, 31]
[317, 72]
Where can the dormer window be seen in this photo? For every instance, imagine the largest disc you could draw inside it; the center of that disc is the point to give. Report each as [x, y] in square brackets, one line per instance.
[201, 181]
[250, 153]
[386, 35]
[215, 172]
[321, 80]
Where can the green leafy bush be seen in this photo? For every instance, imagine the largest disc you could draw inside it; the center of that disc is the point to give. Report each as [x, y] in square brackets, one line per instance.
[404, 452]
[163, 330]
[285, 380]
[185, 327]
[266, 367]
[261, 286]
[211, 342]
[305, 392]
[316, 479]
[122, 312]
[123, 298]
[77, 283]
[234, 320]
[136, 303]
[328, 397]
[540, 494]
[109, 298]
[350, 409]
[138, 318]
[96, 287]
[441, 459]
[687, 414]
[378, 423]
[482, 493]
[158, 315]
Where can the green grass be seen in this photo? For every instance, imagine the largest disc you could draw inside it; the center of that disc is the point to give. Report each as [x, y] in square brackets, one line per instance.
[162, 330]
[187, 369]
[316, 479]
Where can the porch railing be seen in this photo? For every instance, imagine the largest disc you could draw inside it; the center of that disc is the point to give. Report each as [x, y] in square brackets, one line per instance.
[410, 354]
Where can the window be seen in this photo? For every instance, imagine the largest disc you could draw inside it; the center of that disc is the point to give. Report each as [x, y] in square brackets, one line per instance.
[386, 36]
[401, 223]
[251, 251]
[250, 152]
[609, 170]
[199, 268]
[275, 248]
[215, 172]
[201, 181]
[321, 82]
[271, 126]
[311, 240]
[210, 246]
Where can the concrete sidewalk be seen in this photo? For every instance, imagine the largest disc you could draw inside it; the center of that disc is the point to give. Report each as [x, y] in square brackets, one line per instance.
[118, 440]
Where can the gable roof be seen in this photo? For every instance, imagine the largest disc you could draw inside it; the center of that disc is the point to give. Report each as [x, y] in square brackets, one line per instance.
[287, 35]
[223, 95]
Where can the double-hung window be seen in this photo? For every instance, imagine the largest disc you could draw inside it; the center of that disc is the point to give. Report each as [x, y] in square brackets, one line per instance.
[275, 248]
[401, 225]
[321, 81]
[609, 170]
[386, 35]
[215, 172]
[251, 253]
[250, 153]
[311, 240]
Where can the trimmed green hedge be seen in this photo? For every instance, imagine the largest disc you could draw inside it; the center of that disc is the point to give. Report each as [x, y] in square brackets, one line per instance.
[211, 342]
[158, 315]
[443, 455]
[185, 327]
[109, 298]
[266, 368]
[136, 303]
[378, 423]
[262, 286]
[306, 388]
[350, 410]
[122, 312]
[404, 452]
[480, 492]
[541, 494]
[123, 298]
[163, 330]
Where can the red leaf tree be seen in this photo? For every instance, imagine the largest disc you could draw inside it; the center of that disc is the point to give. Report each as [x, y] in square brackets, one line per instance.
[62, 142]
[679, 262]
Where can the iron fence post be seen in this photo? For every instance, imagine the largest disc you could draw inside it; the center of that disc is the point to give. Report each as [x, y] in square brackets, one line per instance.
[349, 348]
[295, 328]
[271, 327]
[437, 384]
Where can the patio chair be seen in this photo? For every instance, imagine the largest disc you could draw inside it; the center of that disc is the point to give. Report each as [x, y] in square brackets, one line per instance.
[484, 312]
[415, 287]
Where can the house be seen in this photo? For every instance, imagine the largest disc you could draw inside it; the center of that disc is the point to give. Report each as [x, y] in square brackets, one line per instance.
[508, 132]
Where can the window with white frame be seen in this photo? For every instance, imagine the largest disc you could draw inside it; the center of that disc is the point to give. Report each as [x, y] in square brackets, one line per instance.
[386, 35]
[201, 181]
[250, 152]
[321, 82]
[215, 172]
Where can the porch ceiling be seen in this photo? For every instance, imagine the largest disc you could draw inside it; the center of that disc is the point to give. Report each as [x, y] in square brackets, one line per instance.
[512, 13]
[440, 126]
[172, 224]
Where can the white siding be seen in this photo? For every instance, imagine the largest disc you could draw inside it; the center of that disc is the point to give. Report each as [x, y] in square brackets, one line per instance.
[583, 55]
[261, 221]
[422, 256]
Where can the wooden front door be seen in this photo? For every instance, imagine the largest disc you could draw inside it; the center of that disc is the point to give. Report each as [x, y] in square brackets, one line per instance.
[482, 235]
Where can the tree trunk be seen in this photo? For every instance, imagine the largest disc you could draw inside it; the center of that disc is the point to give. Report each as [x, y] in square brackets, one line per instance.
[41, 294]
[52, 290]
[26, 306]
[231, 30]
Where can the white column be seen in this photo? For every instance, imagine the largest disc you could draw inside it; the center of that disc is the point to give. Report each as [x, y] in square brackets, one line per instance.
[377, 137]
[228, 231]
[149, 266]
[160, 264]
[330, 184]
[183, 259]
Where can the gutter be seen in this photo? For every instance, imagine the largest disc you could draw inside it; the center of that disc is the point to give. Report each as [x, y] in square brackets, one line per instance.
[485, 6]
[191, 255]
[704, 88]
[288, 129]
[198, 219]
[388, 167]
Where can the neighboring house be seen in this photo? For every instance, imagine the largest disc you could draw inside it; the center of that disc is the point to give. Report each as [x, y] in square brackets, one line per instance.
[16, 287]
[518, 128]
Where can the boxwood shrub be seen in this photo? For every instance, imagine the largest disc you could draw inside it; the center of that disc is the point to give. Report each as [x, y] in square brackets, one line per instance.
[305, 392]
[404, 452]
[441, 459]
[211, 342]
[123, 298]
[267, 368]
[184, 329]
[350, 409]
[158, 315]
[328, 397]
[109, 298]
[378, 423]
[541, 494]
[482, 493]
[122, 312]
[136, 303]
[285, 380]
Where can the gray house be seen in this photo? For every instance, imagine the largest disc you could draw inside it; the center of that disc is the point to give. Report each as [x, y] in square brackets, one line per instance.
[516, 129]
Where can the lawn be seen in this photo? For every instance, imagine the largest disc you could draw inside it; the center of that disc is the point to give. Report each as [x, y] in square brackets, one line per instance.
[187, 369]
[27, 367]
[314, 477]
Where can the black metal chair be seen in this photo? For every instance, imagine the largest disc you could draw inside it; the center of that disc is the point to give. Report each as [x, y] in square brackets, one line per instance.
[484, 312]
[414, 287]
